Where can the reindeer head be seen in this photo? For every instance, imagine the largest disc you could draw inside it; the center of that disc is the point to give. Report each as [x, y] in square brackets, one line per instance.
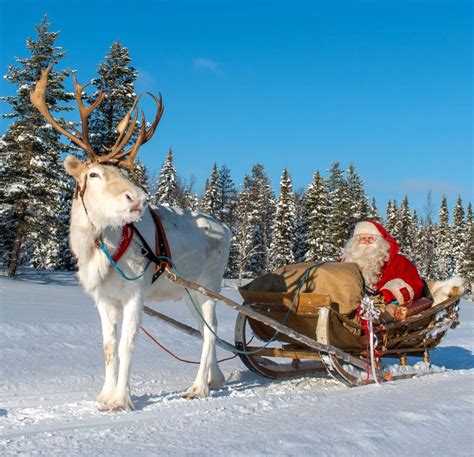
[108, 197]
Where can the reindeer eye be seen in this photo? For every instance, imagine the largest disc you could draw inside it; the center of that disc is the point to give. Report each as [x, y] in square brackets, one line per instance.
[93, 175]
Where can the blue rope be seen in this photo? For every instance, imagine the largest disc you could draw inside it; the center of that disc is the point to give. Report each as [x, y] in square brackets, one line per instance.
[114, 264]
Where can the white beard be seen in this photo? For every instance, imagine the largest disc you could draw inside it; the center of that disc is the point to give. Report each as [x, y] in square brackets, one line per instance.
[370, 258]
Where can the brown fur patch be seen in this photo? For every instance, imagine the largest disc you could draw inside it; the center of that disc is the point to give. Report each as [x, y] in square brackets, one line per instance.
[108, 353]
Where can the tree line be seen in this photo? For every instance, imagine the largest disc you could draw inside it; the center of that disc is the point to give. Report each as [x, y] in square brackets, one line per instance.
[268, 232]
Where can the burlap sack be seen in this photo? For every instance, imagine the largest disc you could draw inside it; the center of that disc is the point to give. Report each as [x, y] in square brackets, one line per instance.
[343, 282]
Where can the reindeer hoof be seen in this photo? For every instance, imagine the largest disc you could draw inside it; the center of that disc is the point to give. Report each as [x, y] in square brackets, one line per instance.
[196, 392]
[216, 380]
[105, 397]
[107, 408]
[116, 404]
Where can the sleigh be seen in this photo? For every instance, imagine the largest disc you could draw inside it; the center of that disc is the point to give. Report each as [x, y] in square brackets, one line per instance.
[283, 334]
[344, 346]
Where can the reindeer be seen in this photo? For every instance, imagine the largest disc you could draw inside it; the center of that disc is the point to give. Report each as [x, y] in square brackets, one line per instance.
[106, 203]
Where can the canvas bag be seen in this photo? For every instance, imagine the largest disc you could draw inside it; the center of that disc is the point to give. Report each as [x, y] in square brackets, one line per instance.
[343, 282]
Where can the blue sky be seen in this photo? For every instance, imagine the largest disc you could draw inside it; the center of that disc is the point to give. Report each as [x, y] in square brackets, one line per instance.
[386, 85]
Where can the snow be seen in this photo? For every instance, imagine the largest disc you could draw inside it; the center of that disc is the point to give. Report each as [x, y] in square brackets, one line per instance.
[52, 370]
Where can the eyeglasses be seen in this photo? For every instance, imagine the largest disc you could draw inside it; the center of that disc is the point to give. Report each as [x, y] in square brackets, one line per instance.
[365, 239]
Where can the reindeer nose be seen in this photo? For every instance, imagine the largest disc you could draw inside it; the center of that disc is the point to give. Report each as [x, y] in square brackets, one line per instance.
[129, 197]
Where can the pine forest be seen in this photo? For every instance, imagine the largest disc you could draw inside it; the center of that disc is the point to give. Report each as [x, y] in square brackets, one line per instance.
[271, 226]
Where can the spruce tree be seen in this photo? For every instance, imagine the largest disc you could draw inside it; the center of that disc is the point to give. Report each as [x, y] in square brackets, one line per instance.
[357, 199]
[341, 219]
[336, 175]
[227, 198]
[458, 237]
[243, 240]
[468, 268]
[443, 251]
[317, 220]
[283, 232]
[261, 218]
[392, 218]
[300, 248]
[255, 213]
[211, 200]
[116, 79]
[166, 188]
[415, 235]
[228, 215]
[373, 212]
[427, 265]
[34, 188]
[405, 229]
[140, 176]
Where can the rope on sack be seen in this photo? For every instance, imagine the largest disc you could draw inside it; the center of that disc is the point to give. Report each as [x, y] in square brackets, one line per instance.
[369, 313]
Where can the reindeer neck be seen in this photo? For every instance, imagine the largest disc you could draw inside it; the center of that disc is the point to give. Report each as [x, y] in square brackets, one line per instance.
[84, 235]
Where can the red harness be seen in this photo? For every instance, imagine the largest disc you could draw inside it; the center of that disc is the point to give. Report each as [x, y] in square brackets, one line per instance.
[125, 240]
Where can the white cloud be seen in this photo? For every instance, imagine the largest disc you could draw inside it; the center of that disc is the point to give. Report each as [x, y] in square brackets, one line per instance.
[206, 64]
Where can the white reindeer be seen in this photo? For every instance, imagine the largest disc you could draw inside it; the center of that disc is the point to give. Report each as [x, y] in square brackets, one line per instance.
[105, 201]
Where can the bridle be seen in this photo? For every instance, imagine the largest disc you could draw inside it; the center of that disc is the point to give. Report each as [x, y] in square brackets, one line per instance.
[79, 193]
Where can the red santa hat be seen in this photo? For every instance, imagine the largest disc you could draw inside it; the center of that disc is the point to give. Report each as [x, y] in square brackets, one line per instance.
[366, 228]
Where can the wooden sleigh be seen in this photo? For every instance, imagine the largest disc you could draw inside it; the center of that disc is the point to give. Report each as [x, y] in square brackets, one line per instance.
[315, 316]
[314, 339]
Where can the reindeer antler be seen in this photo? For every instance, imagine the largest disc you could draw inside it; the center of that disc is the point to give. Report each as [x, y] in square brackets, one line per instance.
[125, 127]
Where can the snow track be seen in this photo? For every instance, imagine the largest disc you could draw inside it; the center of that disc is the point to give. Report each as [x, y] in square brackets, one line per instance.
[52, 366]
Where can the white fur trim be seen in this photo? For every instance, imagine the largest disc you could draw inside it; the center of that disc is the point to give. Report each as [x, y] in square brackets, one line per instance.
[442, 290]
[395, 286]
[366, 228]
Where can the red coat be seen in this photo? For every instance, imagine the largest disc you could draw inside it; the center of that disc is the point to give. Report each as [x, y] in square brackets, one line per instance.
[400, 280]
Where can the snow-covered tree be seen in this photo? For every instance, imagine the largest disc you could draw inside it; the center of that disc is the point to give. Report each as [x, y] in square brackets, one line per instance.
[405, 229]
[458, 237]
[392, 218]
[34, 188]
[300, 247]
[425, 259]
[357, 199]
[284, 227]
[415, 235]
[317, 220]
[228, 215]
[166, 188]
[116, 79]
[373, 211]
[468, 268]
[140, 176]
[255, 213]
[228, 197]
[211, 200]
[336, 175]
[341, 219]
[443, 248]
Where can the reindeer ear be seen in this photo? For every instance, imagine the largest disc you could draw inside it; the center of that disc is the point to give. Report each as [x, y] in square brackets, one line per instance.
[74, 167]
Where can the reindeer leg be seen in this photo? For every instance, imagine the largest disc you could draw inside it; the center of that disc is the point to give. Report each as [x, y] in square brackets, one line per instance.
[209, 374]
[109, 315]
[131, 321]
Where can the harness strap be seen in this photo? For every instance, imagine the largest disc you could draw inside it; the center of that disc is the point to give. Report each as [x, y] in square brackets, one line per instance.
[162, 247]
[125, 240]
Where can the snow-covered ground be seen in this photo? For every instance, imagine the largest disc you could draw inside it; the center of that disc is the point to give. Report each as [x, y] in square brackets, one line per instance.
[51, 369]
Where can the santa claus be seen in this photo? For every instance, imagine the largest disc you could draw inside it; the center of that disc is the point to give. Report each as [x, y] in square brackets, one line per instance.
[385, 271]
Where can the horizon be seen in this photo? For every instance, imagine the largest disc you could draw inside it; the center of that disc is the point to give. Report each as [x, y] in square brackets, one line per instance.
[386, 86]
